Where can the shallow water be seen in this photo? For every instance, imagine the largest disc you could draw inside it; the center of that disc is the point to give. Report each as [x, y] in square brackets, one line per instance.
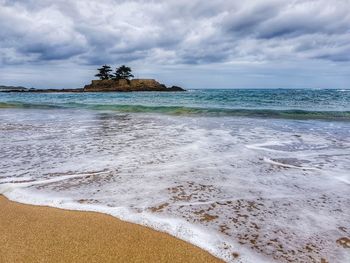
[267, 103]
[246, 189]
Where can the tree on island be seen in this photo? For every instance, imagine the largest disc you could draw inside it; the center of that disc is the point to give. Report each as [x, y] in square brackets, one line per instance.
[123, 72]
[104, 72]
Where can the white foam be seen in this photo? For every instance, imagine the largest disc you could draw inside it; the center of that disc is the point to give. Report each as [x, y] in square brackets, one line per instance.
[260, 146]
[11, 186]
[268, 160]
[214, 182]
[15, 180]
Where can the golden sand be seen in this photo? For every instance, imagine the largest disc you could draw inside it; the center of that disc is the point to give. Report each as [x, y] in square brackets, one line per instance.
[43, 234]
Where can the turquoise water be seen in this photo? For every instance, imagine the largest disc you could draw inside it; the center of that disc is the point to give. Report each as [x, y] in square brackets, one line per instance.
[275, 103]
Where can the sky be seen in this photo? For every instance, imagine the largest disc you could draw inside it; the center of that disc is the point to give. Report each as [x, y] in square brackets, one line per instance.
[191, 43]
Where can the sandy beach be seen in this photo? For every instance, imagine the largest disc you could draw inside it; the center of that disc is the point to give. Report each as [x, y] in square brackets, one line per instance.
[43, 234]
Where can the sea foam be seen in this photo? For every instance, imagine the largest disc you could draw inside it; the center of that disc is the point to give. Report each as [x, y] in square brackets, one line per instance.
[244, 189]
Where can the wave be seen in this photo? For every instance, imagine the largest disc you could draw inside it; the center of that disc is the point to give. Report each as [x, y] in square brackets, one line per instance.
[193, 111]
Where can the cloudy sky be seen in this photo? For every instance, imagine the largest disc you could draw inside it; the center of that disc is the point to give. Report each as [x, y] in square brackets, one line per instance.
[197, 44]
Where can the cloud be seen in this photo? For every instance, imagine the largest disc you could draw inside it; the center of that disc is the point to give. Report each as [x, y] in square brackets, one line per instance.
[177, 36]
[170, 32]
[44, 34]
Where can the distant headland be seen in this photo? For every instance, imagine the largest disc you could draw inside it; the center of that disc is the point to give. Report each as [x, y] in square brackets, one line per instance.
[119, 81]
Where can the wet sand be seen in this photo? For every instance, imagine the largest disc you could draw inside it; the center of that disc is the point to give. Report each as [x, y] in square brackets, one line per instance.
[43, 234]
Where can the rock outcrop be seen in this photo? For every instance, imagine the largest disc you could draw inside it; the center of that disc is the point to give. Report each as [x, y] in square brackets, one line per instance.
[12, 88]
[124, 85]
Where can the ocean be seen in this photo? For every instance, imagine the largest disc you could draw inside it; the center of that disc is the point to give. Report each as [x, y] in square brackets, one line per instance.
[249, 175]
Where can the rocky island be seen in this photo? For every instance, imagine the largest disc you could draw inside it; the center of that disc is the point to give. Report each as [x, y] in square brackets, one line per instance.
[120, 81]
[123, 85]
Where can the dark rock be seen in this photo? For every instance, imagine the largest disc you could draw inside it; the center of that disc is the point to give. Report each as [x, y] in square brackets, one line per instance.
[12, 88]
[175, 88]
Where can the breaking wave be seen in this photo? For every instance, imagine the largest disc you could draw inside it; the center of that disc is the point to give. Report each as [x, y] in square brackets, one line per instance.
[192, 111]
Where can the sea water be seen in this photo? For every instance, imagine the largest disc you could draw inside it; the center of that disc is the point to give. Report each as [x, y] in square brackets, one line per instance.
[248, 175]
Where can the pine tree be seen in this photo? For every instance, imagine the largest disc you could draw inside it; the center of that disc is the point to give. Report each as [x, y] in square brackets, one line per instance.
[123, 72]
[104, 72]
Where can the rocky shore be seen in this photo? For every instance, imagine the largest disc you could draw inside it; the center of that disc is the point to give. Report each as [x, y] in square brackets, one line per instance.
[122, 85]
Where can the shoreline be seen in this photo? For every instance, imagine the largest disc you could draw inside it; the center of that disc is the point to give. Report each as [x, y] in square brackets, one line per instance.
[38, 233]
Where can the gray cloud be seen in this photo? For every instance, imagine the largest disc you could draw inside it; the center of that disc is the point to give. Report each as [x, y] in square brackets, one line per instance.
[173, 32]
